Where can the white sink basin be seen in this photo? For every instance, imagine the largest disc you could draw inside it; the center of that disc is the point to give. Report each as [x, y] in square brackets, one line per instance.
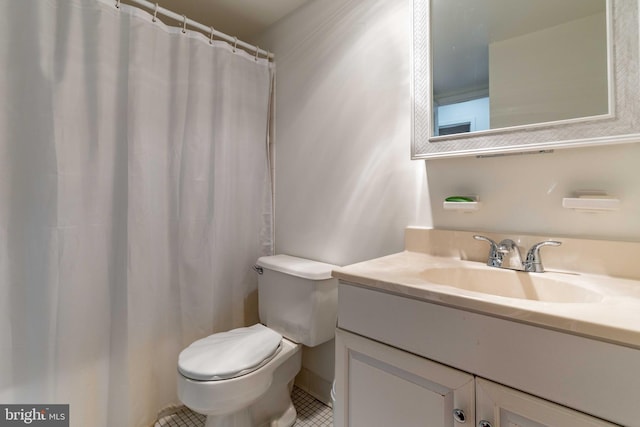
[589, 304]
[511, 284]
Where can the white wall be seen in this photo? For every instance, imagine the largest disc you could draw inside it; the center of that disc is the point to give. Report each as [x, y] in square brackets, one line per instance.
[524, 193]
[345, 186]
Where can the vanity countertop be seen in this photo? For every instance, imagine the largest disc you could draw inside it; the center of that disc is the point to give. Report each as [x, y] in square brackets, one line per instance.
[614, 316]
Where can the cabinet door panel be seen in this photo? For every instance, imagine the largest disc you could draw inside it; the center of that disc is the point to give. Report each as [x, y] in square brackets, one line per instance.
[377, 385]
[392, 397]
[506, 407]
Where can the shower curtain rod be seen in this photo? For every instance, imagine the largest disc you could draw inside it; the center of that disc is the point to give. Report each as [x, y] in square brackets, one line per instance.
[207, 30]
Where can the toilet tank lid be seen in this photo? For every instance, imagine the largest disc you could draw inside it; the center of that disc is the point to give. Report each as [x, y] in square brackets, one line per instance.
[300, 267]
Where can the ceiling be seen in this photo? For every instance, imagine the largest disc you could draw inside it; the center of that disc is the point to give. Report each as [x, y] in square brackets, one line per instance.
[241, 18]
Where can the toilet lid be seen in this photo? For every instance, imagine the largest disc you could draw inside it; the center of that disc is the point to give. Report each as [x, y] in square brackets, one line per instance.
[229, 354]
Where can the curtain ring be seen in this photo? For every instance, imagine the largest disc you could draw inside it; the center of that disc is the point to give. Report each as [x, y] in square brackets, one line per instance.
[155, 13]
[255, 58]
[235, 44]
[184, 24]
[211, 36]
[117, 4]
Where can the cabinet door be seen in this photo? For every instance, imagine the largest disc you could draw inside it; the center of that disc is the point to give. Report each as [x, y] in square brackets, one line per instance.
[502, 406]
[381, 386]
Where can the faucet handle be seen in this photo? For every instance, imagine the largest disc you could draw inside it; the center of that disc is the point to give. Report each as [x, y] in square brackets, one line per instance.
[495, 257]
[484, 238]
[533, 262]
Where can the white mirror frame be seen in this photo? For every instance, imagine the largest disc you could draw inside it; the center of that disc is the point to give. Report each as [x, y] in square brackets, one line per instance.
[620, 125]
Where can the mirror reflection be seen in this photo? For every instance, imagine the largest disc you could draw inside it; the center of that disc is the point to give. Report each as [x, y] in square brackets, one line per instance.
[504, 63]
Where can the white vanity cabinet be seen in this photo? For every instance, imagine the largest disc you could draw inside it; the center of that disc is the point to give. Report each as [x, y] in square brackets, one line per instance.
[383, 386]
[503, 406]
[403, 361]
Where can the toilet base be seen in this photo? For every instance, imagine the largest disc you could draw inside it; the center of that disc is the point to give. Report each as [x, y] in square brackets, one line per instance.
[277, 402]
[259, 399]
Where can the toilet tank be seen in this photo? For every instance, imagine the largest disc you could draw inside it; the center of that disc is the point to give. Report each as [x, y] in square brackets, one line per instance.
[298, 298]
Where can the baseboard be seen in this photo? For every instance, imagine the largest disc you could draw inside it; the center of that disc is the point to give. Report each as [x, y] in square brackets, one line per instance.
[315, 385]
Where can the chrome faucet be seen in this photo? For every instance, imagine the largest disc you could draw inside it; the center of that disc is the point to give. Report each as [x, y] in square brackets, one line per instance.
[533, 261]
[495, 256]
[507, 248]
[510, 251]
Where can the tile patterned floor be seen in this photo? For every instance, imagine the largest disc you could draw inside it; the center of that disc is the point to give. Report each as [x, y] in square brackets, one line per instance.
[311, 413]
[183, 417]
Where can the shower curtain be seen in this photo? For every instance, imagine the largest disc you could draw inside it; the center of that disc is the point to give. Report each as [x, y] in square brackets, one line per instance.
[134, 200]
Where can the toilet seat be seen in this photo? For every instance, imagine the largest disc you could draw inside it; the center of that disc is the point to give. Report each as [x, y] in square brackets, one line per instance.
[229, 354]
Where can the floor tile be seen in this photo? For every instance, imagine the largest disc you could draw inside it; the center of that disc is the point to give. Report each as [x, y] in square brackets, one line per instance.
[311, 413]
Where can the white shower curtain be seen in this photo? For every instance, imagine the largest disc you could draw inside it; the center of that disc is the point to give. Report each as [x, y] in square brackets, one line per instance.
[134, 200]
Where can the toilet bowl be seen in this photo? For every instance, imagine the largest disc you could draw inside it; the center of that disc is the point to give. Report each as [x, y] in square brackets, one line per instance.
[244, 377]
[243, 401]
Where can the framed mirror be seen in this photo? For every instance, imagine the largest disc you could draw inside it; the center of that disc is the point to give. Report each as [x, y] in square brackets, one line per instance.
[497, 76]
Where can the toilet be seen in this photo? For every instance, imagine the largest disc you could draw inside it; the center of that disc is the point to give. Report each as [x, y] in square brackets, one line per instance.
[243, 377]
